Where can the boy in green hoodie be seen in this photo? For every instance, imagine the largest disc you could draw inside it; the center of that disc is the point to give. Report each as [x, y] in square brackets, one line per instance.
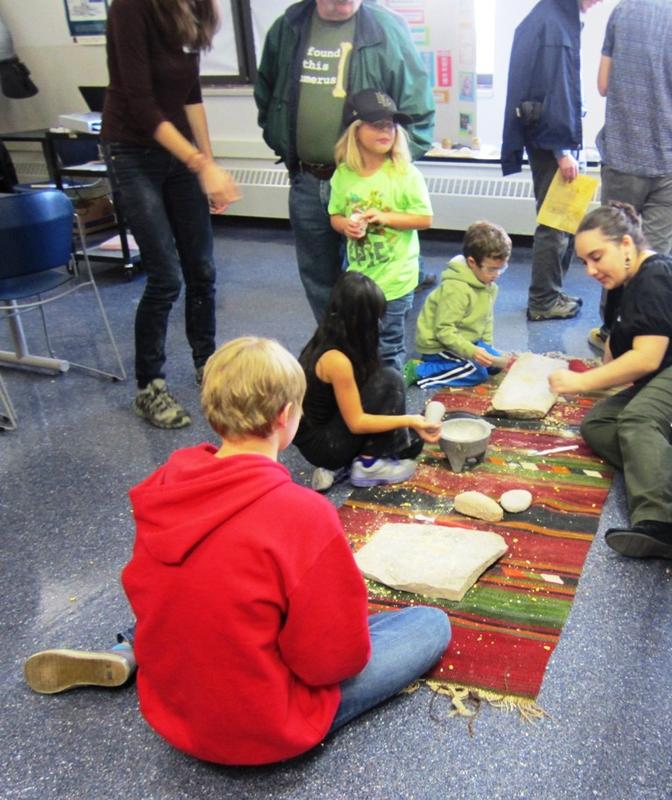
[454, 329]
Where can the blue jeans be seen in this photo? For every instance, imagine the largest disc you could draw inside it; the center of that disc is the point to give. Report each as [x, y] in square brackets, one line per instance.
[392, 342]
[319, 249]
[404, 645]
[168, 214]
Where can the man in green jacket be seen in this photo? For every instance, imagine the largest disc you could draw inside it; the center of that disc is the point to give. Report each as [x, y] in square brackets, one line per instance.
[315, 55]
[455, 326]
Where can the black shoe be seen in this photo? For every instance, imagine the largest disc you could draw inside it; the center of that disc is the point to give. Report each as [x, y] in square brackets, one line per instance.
[647, 539]
[427, 281]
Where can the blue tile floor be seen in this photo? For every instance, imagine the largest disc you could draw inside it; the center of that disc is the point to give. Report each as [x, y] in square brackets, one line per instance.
[67, 531]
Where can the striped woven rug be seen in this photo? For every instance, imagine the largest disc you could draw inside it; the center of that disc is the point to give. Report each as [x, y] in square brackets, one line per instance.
[508, 624]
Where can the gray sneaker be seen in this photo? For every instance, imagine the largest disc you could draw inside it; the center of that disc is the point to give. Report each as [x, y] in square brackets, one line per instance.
[381, 471]
[561, 309]
[155, 404]
[572, 298]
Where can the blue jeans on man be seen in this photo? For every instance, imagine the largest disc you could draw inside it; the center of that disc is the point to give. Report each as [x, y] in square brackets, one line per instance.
[319, 248]
[168, 214]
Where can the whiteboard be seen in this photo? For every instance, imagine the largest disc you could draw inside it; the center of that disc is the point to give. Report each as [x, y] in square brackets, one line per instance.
[443, 32]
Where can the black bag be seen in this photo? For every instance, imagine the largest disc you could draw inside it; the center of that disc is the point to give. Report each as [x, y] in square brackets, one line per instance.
[15, 79]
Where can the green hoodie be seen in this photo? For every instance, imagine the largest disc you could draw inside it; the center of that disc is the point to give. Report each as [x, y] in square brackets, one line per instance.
[456, 314]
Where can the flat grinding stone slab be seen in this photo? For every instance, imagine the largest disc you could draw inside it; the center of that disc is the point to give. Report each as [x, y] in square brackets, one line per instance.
[432, 560]
[525, 392]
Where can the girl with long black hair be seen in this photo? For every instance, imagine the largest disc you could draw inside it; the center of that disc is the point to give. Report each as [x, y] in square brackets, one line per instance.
[355, 410]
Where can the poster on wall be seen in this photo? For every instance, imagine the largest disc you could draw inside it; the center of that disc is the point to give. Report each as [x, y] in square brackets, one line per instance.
[86, 20]
[445, 35]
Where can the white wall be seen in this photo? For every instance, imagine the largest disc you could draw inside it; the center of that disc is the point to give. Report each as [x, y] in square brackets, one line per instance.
[42, 41]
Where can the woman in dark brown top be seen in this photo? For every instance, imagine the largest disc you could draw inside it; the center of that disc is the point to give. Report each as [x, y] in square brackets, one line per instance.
[160, 160]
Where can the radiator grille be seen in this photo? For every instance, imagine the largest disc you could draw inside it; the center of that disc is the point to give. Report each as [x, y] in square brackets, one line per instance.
[457, 201]
[30, 167]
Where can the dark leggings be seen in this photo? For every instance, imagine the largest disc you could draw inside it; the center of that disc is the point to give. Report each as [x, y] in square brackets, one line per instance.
[334, 446]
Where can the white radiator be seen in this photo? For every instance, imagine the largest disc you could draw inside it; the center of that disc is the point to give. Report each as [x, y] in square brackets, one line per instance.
[30, 166]
[457, 200]
[460, 193]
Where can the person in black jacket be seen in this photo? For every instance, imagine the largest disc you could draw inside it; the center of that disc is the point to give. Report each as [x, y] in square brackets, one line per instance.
[543, 116]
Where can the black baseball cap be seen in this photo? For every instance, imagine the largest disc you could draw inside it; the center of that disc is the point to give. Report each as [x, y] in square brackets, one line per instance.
[370, 105]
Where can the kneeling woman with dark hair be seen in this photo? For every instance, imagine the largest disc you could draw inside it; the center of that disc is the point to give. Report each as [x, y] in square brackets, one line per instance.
[631, 429]
[354, 409]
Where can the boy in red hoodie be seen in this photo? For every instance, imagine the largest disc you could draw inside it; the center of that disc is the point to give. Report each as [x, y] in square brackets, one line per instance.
[252, 637]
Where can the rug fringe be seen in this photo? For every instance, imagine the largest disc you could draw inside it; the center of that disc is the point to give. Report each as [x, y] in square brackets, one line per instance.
[466, 700]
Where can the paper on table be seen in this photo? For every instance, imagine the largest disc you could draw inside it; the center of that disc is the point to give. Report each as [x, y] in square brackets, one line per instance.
[566, 202]
[115, 243]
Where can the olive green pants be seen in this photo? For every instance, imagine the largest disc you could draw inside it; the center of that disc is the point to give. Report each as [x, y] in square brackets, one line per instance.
[631, 430]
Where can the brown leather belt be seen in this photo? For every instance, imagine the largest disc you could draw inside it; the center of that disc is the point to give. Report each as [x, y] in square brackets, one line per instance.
[322, 172]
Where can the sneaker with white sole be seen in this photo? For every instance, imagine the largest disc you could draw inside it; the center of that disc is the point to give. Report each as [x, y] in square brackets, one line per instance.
[53, 671]
[155, 404]
[561, 309]
[381, 471]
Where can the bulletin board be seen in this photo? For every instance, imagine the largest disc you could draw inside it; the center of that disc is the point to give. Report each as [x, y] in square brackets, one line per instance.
[445, 34]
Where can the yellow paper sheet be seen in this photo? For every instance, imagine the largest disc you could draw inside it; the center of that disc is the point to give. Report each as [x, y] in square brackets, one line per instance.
[565, 203]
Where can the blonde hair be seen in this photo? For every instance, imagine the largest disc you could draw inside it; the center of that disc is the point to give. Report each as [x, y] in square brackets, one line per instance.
[347, 150]
[246, 384]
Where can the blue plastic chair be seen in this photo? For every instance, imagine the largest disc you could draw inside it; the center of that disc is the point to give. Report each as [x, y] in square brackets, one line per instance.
[36, 257]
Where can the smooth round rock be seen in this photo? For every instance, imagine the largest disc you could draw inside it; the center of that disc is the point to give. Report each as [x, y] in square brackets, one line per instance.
[516, 500]
[479, 505]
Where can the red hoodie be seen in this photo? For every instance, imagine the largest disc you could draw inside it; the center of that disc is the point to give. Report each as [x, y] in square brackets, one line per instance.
[250, 608]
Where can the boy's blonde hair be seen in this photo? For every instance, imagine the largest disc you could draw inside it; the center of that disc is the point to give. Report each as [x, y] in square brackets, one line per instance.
[484, 239]
[246, 384]
[347, 152]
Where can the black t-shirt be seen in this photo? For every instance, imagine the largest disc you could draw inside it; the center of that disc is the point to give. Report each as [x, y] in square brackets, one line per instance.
[645, 309]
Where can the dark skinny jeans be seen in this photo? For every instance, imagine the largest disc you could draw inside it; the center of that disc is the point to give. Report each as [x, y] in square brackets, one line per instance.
[168, 214]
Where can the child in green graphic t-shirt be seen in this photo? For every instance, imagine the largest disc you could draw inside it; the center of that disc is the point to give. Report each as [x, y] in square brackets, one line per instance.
[379, 201]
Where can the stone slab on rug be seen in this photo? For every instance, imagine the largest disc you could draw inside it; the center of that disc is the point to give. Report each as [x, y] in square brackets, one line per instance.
[524, 392]
[432, 560]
